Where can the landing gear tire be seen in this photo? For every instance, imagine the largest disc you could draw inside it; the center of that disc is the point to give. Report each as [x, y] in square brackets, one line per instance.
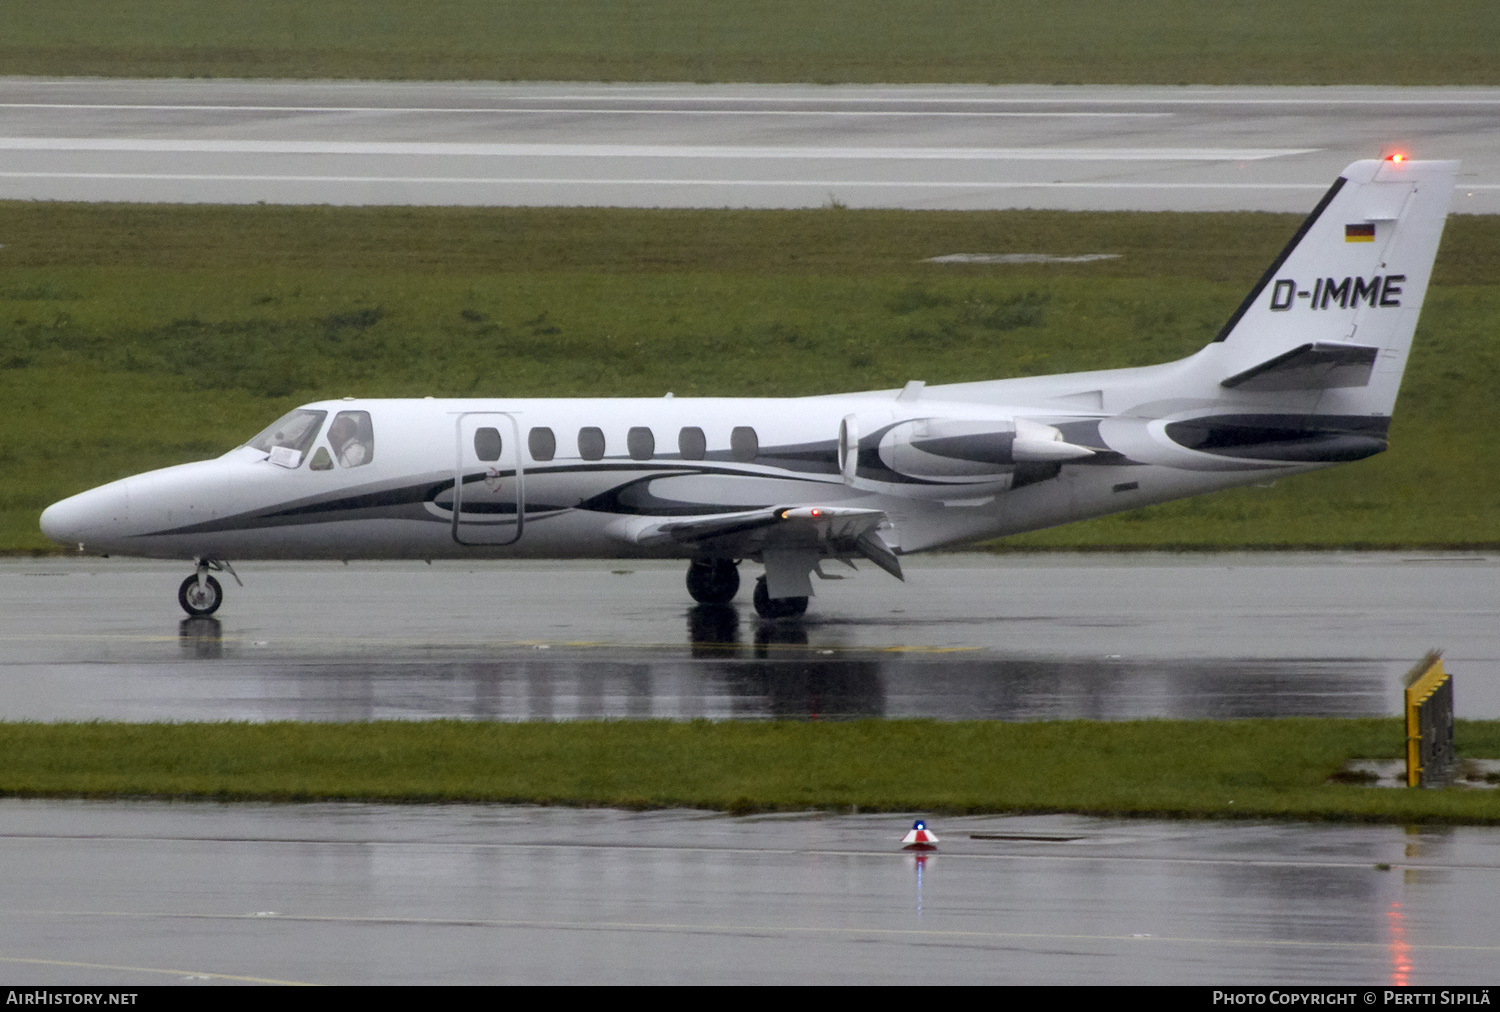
[198, 599]
[713, 581]
[767, 606]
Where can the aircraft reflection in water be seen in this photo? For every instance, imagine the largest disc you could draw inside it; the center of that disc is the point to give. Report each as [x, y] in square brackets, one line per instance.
[779, 670]
[1303, 376]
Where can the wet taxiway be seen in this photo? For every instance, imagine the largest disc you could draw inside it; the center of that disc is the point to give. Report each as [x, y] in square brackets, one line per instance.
[152, 892]
[966, 636]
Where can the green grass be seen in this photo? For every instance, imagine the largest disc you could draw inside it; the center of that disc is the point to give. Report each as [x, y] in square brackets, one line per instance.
[135, 336]
[1245, 768]
[830, 41]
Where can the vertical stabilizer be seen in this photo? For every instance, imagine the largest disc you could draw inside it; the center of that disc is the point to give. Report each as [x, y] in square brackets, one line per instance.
[1337, 309]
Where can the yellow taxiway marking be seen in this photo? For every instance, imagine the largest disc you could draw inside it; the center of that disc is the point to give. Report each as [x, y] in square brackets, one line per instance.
[153, 969]
[720, 929]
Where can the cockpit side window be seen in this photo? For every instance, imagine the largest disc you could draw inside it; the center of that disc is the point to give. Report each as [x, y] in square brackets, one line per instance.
[352, 438]
[288, 438]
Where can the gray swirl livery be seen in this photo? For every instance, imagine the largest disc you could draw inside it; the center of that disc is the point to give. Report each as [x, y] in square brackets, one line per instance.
[1303, 376]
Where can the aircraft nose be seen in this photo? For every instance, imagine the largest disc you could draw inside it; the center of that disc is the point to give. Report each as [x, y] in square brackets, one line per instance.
[80, 517]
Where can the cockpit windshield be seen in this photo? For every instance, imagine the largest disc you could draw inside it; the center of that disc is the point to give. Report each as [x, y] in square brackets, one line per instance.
[294, 430]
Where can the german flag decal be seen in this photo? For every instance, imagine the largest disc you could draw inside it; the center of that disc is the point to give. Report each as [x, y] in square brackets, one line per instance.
[1360, 233]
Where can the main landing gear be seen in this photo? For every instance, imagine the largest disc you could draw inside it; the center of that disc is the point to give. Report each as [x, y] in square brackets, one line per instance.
[716, 581]
[200, 594]
[713, 581]
[767, 606]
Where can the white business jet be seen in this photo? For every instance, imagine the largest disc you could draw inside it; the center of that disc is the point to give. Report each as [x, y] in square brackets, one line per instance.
[1304, 375]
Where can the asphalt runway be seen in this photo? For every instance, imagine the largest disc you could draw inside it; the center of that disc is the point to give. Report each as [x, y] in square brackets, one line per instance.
[676, 145]
[967, 636]
[130, 893]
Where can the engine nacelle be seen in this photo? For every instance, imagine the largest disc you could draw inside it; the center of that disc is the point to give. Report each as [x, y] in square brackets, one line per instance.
[966, 451]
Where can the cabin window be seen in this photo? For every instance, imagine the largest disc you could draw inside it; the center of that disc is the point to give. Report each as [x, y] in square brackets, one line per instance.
[487, 444]
[591, 443]
[353, 439]
[641, 443]
[542, 443]
[744, 444]
[692, 443]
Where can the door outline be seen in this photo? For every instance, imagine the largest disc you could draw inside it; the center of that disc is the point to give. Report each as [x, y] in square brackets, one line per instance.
[458, 478]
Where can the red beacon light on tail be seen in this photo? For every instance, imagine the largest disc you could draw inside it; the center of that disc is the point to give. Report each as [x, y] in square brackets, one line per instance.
[920, 837]
[1396, 157]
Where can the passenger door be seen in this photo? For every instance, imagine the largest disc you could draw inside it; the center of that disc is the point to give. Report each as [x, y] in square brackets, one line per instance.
[489, 479]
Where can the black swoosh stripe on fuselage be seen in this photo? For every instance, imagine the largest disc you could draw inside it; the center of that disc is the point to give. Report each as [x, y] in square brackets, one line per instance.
[407, 501]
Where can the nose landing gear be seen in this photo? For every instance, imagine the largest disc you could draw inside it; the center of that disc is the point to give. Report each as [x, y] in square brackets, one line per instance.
[200, 594]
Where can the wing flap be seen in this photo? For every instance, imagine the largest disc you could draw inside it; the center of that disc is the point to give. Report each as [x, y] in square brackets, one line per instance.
[836, 531]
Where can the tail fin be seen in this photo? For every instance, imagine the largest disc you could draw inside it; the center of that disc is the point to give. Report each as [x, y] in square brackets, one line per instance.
[1335, 314]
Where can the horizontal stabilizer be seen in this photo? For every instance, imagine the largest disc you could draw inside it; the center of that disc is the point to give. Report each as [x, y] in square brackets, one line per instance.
[1316, 366]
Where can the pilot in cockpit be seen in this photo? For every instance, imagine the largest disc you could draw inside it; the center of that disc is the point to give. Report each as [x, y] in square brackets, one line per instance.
[351, 445]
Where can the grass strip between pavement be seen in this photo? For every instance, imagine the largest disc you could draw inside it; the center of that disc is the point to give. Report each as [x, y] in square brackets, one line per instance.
[1261, 768]
[1167, 42]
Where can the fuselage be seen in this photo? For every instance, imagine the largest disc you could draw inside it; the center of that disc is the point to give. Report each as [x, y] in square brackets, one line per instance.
[578, 472]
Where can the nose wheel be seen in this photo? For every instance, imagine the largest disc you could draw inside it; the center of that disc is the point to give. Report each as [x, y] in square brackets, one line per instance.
[200, 595]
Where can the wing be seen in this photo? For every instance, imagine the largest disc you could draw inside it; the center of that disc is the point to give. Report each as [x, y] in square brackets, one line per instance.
[837, 531]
